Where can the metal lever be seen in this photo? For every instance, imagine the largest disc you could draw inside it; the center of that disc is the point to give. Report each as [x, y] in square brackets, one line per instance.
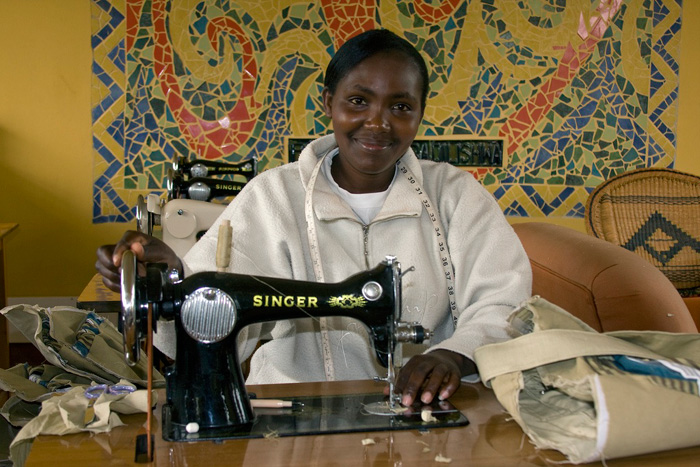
[127, 317]
[390, 379]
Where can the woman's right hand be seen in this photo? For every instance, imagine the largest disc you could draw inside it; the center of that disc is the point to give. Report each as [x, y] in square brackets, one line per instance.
[146, 248]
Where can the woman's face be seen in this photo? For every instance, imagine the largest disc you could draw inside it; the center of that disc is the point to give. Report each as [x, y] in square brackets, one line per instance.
[376, 110]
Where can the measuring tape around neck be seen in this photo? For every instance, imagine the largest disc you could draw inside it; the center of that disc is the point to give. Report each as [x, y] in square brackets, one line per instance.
[317, 265]
[440, 237]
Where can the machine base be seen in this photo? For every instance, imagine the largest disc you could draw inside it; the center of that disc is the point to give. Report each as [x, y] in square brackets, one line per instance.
[324, 415]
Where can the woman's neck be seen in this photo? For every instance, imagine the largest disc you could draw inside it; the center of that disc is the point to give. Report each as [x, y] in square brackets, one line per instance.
[355, 182]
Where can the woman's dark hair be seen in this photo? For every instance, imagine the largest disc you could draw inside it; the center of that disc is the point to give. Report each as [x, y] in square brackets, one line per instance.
[364, 46]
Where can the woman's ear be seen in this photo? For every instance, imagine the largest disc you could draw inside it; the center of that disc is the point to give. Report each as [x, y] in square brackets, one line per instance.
[327, 101]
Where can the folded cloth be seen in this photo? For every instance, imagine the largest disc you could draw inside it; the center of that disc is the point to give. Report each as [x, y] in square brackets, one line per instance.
[81, 348]
[34, 384]
[80, 342]
[19, 412]
[64, 414]
[595, 396]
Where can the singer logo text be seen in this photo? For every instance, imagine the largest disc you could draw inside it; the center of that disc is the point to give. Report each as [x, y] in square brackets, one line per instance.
[288, 301]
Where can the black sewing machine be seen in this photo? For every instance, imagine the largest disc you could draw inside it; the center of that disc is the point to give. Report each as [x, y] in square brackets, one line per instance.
[200, 188]
[193, 179]
[206, 394]
[206, 168]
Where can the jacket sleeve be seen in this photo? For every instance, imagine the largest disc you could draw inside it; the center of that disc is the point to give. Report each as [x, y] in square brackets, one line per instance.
[492, 273]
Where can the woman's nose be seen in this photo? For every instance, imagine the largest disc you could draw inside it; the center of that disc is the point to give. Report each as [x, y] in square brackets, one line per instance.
[377, 120]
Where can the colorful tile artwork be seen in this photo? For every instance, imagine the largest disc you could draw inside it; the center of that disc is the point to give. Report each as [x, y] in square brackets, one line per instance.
[579, 90]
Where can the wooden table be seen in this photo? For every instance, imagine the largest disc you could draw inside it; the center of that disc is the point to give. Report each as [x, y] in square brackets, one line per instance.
[5, 229]
[96, 296]
[491, 439]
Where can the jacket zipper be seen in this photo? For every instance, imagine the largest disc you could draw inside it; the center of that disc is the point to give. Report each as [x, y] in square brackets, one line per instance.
[365, 241]
[365, 238]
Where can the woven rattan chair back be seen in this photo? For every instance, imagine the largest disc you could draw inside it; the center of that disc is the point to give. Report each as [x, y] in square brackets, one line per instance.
[656, 214]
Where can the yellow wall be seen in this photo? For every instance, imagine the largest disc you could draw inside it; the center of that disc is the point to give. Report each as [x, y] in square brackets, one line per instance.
[688, 159]
[46, 147]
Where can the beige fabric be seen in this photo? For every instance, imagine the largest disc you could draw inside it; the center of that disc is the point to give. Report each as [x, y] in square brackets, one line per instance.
[81, 348]
[65, 414]
[555, 382]
[47, 378]
[61, 333]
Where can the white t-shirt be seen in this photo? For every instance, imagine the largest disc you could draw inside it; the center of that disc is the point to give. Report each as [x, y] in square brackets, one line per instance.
[365, 205]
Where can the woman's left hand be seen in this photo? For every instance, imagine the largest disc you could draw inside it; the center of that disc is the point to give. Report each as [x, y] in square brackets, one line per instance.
[434, 373]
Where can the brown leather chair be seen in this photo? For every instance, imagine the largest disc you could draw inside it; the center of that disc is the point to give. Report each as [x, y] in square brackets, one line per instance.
[654, 212]
[608, 287]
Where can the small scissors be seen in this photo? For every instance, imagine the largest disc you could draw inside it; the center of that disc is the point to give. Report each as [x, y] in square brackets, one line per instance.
[92, 393]
[95, 391]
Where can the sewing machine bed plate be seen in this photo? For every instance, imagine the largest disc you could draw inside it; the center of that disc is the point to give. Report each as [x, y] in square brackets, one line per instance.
[323, 415]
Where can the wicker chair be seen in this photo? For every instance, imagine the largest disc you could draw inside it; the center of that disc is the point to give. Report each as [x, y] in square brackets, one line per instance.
[655, 213]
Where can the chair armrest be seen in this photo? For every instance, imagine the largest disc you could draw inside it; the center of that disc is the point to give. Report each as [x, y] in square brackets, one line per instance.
[605, 285]
[693, 304]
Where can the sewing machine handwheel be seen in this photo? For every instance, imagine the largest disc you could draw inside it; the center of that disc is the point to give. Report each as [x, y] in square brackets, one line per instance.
[128, 316]
[142, 216]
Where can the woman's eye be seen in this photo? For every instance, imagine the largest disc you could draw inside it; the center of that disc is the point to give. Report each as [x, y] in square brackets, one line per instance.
[402, 107]
[356, 101]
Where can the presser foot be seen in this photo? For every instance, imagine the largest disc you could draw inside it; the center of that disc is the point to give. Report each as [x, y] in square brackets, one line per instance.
[393, 402]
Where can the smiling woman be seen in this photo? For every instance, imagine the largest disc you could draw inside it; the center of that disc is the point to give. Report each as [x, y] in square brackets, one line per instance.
[351, 199]
[375, 91]
[376, 111]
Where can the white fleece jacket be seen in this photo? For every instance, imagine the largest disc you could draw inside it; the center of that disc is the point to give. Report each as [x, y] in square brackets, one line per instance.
[491, 271]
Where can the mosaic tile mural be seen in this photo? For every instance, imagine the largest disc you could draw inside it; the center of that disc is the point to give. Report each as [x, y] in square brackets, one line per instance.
[579, 90]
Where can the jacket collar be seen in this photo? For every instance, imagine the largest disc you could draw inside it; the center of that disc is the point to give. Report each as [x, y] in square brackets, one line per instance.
[401, 202]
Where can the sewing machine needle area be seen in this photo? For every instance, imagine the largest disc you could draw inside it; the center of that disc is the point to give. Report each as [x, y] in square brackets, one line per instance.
[326, 414]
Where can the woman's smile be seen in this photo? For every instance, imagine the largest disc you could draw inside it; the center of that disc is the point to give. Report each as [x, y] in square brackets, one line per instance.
[376, 110]
[372, 145]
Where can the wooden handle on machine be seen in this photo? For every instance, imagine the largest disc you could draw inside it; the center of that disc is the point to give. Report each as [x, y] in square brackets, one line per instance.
[223, 246]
